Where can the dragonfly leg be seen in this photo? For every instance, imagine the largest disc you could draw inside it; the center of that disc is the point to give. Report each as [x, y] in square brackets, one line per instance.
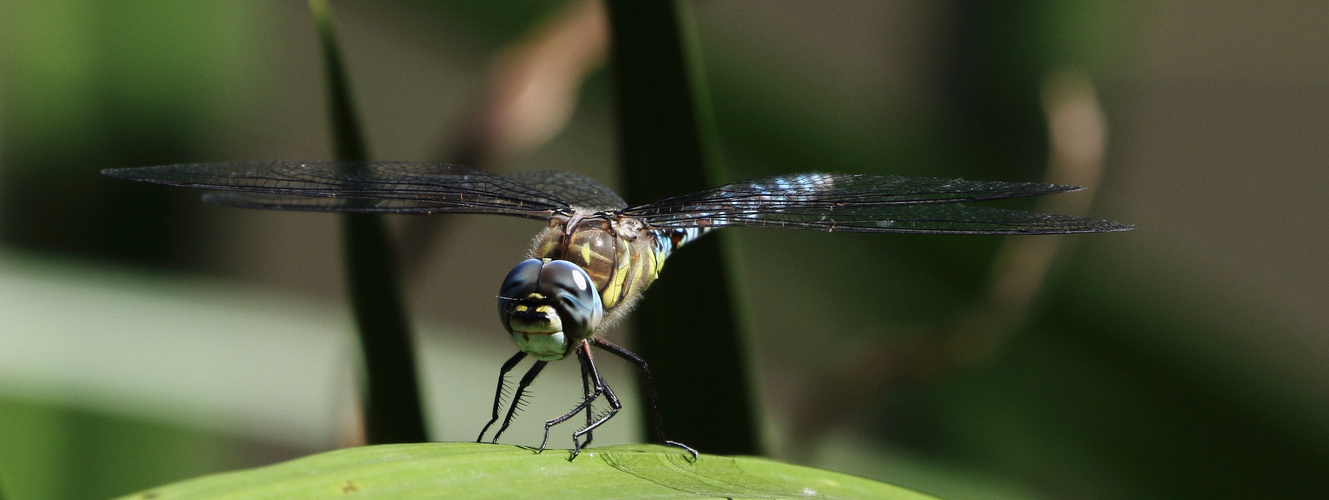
[650, 388]
[516, 397]
[498, 394]
[597, 388]
[586, 389]
[614, 407]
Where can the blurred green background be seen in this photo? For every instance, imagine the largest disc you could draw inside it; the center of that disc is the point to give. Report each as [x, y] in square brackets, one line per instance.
[146, 337]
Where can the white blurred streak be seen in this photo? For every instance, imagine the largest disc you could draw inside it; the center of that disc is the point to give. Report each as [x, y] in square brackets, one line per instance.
[237, 359]
[209, 354]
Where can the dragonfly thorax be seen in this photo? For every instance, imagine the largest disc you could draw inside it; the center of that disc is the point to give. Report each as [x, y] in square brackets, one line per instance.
[618, 254]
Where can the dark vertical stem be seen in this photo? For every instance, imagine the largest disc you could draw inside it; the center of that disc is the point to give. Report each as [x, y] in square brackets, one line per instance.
[685, 327]
[392, 397]
[993, 75]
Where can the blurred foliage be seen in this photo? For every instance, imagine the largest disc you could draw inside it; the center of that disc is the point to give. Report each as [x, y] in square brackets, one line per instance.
[667, 147]
[85, 85]
[1069, 407]
[497, 23]
[392, 409]
[54, 452]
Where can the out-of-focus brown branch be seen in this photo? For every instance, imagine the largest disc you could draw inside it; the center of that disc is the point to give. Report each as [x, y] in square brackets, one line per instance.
[531, 93]
[534, 84]
[1077, 139]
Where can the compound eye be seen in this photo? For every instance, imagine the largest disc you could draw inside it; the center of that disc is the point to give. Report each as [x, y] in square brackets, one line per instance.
[575, 297]
[521, 281]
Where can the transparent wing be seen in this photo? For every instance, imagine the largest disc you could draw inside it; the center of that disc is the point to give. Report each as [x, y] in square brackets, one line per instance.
[577, 190]
[866, 203]
[384, 187]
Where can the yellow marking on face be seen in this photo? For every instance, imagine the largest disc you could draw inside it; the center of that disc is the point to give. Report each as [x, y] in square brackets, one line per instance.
[521, 308]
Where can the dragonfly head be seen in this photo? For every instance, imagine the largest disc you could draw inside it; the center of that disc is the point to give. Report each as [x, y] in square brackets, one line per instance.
[549, 306]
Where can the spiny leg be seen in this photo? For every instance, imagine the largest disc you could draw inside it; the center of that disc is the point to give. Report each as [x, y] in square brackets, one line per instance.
[650, 388]
[597, 384]
[521, 391]
[614, 407]
[498, 394]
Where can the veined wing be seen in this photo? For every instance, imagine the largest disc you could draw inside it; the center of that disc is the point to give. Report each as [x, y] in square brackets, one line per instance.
[867, 203]
[383, 187]
[575, 189]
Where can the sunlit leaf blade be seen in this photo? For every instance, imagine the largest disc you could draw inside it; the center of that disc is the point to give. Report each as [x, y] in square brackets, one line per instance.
[471, 470]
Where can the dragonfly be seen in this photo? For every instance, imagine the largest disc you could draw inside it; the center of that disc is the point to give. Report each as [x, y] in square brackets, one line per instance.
[591, 263]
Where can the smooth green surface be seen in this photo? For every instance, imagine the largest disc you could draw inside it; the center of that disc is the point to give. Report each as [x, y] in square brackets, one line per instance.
[471, 470]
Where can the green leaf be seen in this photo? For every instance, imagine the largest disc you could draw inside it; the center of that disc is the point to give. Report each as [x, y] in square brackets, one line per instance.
[474, 470]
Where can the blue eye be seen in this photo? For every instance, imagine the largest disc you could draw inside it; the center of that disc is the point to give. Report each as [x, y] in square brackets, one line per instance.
[540, 294]
[578, 302]
[520, 283]
[522, 280]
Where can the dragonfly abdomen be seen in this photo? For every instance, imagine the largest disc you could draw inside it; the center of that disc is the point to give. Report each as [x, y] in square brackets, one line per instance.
[667, 240]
